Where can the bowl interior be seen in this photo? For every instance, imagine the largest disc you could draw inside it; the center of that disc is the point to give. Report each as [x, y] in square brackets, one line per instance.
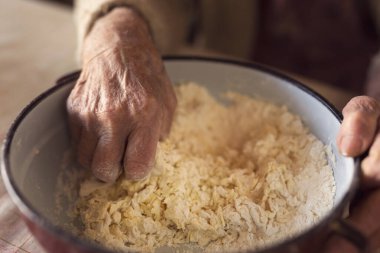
[41, 138]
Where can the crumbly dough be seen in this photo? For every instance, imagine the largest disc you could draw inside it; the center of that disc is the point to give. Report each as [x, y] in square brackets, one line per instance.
[230, 177]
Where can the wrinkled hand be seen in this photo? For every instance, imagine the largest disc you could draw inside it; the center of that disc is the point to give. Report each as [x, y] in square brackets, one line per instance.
[360, 132]
[123, 101]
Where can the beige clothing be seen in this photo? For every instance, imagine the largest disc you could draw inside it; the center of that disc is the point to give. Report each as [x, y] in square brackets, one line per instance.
[223, 26]
[158, 13]
[172, 20]
[220, 22]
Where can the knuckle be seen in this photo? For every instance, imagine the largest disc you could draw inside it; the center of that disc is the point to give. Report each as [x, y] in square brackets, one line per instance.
[81, 80]
[109, 125]
[84, 114]
[71, 102]
[74, 103]
[105, 115]
[362, 104]
[109, 120]
[107, 111]
[360, 124]
[73, 112]
[148, 108]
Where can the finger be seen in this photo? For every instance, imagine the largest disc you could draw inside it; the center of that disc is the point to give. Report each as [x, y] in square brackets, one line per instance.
[140, 152]
[108, 155]
[86, 147]
[72, 106]
[75, 128]
[358, 126]
[166, 125]
[371, 165]
[171, 104]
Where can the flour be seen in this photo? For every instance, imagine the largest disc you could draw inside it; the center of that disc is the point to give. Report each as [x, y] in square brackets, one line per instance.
[246, 175]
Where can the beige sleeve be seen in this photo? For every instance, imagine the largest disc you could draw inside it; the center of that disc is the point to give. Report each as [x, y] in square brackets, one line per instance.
[169, 20]
[228, 27]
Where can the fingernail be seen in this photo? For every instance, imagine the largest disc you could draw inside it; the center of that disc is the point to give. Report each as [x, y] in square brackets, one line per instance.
[138, 173]
[351, 145]
[106, 174]
[136, 176]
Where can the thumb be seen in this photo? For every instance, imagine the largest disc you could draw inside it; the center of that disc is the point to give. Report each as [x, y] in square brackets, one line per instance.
[359, 125]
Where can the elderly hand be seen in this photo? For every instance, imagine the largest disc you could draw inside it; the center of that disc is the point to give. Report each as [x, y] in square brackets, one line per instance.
[123, 101]
[360, 132]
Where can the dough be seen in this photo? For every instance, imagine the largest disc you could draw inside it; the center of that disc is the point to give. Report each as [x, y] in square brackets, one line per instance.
[240, 176]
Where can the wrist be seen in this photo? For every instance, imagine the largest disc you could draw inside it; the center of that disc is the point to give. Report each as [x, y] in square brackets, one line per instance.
[121, 27]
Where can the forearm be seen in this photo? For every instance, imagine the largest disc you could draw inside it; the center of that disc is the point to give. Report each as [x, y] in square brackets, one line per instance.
[121, 27]
[169, 20]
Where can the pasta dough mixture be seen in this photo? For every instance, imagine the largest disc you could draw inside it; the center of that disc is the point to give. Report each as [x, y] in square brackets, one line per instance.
[236, 176]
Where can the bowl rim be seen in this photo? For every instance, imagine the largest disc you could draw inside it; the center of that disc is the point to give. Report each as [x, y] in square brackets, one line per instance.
[36, 217]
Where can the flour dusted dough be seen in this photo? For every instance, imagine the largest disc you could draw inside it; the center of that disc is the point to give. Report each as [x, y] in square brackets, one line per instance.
[240, 176]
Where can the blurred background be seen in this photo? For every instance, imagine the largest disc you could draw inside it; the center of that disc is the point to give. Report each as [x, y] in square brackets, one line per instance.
[328, 40]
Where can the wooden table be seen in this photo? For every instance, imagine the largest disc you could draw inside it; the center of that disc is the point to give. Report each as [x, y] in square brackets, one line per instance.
[37, 45]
